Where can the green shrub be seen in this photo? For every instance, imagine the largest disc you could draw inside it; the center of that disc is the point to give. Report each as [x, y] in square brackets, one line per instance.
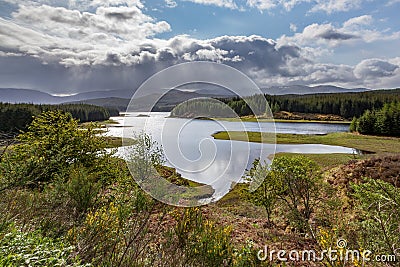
[293, 181]
[32, 249]
[82, 188]
[51, 145]
[379, 205]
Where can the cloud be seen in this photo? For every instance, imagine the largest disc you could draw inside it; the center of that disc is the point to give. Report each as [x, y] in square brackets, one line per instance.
[115, 46]
[332, 6]
[374, 68]
[319, 34]
[171, 3]
[82, 5]
[293, 27]
[73, 37]
[354, 30]
[392, 2]
[327, 6]
[219, 3]
[262, 4]
[357, 22]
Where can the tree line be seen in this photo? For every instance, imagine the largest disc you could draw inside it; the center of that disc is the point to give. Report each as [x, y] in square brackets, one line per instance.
[16, 117]
[384, 121]
[346, 105]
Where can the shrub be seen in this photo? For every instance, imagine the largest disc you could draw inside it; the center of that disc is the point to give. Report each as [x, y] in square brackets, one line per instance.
[295, 182]
[379, 203]
[51, 145]
[32, 249]
[197, 241]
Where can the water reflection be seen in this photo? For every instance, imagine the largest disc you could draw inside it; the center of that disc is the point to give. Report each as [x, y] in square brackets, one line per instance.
[217, 162]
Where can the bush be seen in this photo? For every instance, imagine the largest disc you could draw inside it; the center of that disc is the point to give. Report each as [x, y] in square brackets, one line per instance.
[199, 242]
[265, 195]
[295, 182]
[379, 203]
[52, 144]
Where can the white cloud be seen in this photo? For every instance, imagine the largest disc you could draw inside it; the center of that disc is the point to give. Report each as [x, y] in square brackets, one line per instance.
[392, 2]
[332, 6]
[121, 39]
[374, 68]
[356, 22]
[75, 37]
[327, 6]
[293, 27]
[171, 3]
[262, 4]
[315, 35]
[82, 5]
[220, 3]
[354, 30]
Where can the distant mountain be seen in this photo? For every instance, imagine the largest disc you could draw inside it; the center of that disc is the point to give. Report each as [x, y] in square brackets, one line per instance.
[207, 89]
[101, 94]
[108, 102]
[120, 98]
[305, 90]
[164, 102]
[12, 95]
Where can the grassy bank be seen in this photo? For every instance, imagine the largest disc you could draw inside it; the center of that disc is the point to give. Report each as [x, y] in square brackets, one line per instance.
[326, 161]
[374, 144]
[254, 119]
[101, 124]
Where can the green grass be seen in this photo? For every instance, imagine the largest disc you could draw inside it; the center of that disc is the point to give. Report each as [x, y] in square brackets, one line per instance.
[253, 119]
[114, 142]
[110, 121]
[375, 144]
[101, 124]
[325, 161]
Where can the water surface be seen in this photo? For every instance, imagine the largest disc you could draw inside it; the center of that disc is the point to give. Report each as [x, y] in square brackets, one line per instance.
[190, 148]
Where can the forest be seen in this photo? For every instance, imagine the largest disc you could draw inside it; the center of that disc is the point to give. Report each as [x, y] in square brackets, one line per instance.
[385, 121]
[346, 105]
[16, 117]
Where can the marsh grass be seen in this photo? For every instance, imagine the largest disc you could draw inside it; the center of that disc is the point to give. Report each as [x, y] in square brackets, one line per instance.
[374, 144]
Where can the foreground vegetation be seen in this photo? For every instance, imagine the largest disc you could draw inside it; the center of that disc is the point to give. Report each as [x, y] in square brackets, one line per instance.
[66, 201]
[17, 117]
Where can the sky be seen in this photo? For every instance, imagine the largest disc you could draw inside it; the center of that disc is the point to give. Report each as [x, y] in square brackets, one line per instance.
[72, 46]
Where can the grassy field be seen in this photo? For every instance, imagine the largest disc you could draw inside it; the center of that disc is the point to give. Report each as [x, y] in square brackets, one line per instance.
[377, 145]
[253, 119]
[101, 124]
[326, 161]
[373, 144]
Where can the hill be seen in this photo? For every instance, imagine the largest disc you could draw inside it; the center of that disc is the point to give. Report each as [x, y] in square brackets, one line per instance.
[14, 95]
[305, 90]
